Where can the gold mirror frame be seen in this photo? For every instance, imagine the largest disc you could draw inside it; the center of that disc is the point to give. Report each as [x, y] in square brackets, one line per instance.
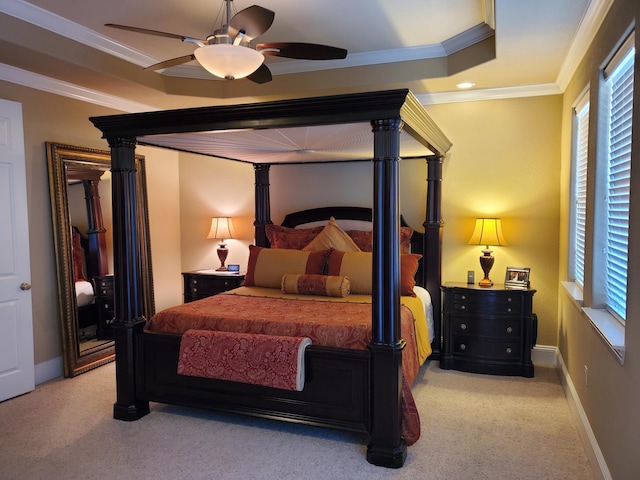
[60, 158]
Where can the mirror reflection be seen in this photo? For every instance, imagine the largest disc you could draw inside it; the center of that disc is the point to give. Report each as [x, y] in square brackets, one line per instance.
[80, 187]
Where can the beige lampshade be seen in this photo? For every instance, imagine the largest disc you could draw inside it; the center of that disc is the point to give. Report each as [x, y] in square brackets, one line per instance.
[488, 231]
[221, 228]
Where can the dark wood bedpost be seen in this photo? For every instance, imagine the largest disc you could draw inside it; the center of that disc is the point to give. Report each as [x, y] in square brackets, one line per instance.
[263, 203]
[386, 446]
[129, 303]
[432, 260]
[95, 231]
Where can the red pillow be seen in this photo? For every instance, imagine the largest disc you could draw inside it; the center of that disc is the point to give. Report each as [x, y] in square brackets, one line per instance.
[78, 259]
[291, 238]
[364, 239]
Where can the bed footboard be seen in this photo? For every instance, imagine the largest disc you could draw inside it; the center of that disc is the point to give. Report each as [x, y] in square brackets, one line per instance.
[335, 395]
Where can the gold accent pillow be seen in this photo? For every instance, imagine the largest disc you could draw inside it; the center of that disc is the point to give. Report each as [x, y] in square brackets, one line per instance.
[266, 266]
[332, 236]
[358, 267]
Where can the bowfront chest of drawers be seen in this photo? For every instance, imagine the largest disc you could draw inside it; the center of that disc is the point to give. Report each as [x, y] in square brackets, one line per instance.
[205, 283]
[488, 330]
[103, 288]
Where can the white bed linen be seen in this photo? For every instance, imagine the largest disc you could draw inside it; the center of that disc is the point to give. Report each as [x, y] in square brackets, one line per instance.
[424, 295]
[84, 293]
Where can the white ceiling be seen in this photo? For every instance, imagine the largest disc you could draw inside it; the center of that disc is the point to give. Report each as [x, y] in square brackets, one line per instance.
[63, 46]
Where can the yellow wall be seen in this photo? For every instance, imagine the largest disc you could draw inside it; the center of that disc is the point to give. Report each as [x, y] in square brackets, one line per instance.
[505, 163]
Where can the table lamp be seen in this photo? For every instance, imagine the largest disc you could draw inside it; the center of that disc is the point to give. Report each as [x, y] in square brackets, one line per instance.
[221, 229]
[488, 231]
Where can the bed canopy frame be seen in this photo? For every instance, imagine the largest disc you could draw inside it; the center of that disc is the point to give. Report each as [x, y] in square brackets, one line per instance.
[394, 117]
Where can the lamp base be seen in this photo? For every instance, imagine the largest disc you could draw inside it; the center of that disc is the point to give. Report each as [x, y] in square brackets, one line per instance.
[486, 262]
[222, 255]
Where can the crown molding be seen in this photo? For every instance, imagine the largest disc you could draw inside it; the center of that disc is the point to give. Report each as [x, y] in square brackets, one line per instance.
[36, 81]
[589, 25]
[538, 90]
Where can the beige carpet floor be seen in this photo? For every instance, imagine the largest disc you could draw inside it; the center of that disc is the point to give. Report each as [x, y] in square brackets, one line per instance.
[473, 427]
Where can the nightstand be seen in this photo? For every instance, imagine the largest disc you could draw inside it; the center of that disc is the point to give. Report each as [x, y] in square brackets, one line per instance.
[103, 288]
[204, 283]
[488, 330]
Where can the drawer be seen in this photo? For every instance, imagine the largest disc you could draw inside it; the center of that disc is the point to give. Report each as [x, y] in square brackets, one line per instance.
[496, 327]
[501, 303]
[493, 349]
[210, 286]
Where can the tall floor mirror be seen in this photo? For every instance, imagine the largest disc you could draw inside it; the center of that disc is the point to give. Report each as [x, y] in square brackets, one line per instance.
[80, 188]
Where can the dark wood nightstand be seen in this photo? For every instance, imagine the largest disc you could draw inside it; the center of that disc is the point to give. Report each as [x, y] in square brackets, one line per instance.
[204, 283]
[488, 330]
[103, 288]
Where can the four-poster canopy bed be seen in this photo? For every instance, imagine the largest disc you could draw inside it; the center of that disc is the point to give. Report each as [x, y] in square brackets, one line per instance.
[353, 389]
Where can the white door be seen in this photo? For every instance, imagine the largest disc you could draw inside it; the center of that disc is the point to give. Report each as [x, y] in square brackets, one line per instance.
[16, 324]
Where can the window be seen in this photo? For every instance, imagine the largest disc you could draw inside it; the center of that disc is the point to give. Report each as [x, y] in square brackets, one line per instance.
[613, 229]
[599, 216]
[579, 190]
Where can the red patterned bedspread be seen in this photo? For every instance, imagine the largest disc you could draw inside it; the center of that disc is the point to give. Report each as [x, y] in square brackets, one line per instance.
[327, 323]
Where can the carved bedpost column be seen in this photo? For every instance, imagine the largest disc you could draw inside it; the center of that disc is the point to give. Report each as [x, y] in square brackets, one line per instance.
[96, 230]
[432, 261]
[263, 203]
[386, 446]
[129, 305]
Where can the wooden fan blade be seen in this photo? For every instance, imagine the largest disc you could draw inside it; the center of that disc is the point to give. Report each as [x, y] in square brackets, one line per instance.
[171, 63]
[155, 32]
[261, 75]
[304, 51]
[253, 21]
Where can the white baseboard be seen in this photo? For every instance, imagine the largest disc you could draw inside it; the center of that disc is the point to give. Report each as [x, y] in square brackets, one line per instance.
[49, 370]
[545, 355]
[592, 449]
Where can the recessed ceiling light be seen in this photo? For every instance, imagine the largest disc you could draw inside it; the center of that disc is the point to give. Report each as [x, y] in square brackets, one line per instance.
[464, 85]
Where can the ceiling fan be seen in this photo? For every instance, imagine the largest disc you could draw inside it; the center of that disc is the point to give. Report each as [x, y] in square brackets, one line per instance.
[227, 53]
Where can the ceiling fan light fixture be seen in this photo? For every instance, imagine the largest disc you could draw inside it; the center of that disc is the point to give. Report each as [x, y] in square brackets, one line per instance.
[229, 61]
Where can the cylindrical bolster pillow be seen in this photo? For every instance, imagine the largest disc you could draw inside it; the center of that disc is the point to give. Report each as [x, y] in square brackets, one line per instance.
[309, 284]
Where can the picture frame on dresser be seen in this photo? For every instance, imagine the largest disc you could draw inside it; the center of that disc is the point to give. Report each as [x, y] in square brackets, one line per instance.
[517, 277]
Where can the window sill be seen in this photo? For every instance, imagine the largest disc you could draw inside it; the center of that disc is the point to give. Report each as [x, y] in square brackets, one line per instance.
[608, 328]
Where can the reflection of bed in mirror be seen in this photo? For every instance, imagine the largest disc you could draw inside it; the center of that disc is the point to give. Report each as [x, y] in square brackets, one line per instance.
[80, 191]
[398, 127]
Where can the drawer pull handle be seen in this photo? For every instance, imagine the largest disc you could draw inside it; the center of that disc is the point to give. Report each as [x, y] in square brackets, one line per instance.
[463, 326]
[509, 299]
[106, 305]
[508, 350]
[194, 281]
[464, 297]
[462, 307]
[509, 329]
[509, 310]
[194, 289]
[463, 346]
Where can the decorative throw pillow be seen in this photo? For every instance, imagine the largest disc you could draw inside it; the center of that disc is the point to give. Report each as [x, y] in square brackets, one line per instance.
[291, 238]
[325, 285]
[332, 236]
[358, 265]
[266, 266]
[364, 239]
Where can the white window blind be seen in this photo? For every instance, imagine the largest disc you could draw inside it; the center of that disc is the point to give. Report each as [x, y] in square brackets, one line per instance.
[620, 80]
[580, 191]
